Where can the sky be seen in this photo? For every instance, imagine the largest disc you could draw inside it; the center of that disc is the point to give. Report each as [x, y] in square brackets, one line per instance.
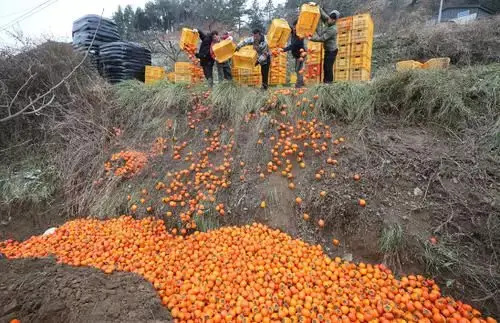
[51, 18]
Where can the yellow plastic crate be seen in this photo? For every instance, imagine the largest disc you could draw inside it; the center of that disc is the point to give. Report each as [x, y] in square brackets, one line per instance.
[342, 62]
[308, 20]
[183, 67]
[362, 35]
[361, 49]
[437, 63]
[341, 74]
[364, 62]
[278, 33]
[344, 50]
[153, 74]
[344, 38]
[189, 39]
[408, 65]
[182, 78]
[247, 77]
[224, 50]
[359, 74]
[315, 52]
[362, 21]
[245, 58]
[344, 24]
[277, 73]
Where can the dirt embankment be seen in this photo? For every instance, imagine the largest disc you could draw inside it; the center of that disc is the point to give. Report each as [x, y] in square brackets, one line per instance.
[39, 290]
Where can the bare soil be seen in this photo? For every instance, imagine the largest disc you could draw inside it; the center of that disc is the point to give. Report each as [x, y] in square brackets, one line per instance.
[40, 290]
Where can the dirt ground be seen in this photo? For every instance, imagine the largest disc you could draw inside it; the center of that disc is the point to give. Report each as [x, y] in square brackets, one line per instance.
[429, 183]
[40, 290]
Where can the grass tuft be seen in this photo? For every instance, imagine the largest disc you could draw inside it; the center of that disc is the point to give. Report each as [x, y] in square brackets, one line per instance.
[32, 181]
[346, 101]
[392, 239]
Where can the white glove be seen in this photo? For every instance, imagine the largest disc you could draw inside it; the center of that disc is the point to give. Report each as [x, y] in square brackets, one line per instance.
[195, 30]
[312, 3]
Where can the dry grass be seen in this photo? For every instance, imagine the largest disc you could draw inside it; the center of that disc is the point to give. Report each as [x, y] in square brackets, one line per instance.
[471, 44]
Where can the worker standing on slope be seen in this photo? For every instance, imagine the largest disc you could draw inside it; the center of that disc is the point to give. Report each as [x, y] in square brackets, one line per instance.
[259, 42]
[224, 69]
[206, 54]
[297, 47]
[329, 40]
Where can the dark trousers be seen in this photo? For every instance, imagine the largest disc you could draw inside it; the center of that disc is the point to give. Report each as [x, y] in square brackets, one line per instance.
[208, 69]
[224, 71]
[328, 65]
[299, 65]
[264, 71]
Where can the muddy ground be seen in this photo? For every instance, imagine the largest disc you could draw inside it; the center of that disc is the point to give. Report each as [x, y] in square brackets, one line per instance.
[40, 290]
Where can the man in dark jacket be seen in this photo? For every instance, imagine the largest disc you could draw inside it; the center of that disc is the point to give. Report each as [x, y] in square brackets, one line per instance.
[329, 40]
[297, 47]
[206, 55]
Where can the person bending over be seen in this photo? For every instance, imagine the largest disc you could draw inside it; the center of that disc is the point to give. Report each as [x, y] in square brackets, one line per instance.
[259, 42]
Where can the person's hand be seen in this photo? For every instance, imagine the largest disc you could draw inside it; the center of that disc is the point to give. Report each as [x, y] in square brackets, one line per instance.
[195, 30]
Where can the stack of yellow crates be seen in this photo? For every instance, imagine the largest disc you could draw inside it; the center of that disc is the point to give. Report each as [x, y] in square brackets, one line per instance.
[244, 70]
[314, 62]
[277, 38]
[186, 72]
[154, 74]
[183, 72]
[277, 72]
[354, 41]
[244, 76]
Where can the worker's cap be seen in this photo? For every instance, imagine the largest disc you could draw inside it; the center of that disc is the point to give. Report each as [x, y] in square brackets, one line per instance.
[335, 14]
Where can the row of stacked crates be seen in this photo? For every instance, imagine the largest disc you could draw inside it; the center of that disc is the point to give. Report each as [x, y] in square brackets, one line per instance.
[314, 63]
[355, 42]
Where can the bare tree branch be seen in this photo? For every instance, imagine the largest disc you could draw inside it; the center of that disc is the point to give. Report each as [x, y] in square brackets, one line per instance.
[52, 89]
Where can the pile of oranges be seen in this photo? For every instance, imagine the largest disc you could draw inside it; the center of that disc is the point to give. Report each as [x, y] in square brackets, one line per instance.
[126, 163]
[191, 191]
[246, 274]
